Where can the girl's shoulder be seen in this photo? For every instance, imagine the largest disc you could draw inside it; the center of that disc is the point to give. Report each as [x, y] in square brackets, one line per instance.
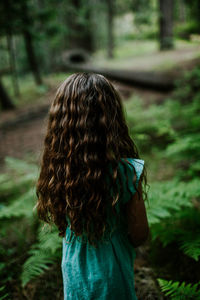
[130, 170]
[131, 165]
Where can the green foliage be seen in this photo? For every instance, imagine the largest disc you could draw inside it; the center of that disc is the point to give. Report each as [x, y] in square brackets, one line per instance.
[171, 128]
[190, 243]
[168, 197]
[185, 121]
[170, 131]
[180, 291]
[17, 220]
[172, 216]
[20, 206]
[5, 296]
[143, 10]
[42, 254]
[154, 130]
[184, 154]
[182, 229]
[17, 187]
[184, 30]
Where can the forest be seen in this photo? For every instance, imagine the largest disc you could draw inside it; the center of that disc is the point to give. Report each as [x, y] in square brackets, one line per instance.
[150, 50]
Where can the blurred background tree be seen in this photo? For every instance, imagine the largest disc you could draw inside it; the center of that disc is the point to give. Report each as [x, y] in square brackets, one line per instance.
[166, 24]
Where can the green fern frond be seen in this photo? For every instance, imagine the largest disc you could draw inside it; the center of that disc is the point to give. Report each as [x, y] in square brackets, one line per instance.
[179, 291]
[171, 196]
[182, 229]
[21, 206]
[4, 296]
[49, 239]
[39, 261]
[42, 255]
[21, 166]
[190, 244]
[14, 183]
[19, 177]
[166, 232]
[189, 144]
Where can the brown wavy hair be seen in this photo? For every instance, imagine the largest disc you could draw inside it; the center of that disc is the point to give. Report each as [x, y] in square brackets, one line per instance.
[86, 134]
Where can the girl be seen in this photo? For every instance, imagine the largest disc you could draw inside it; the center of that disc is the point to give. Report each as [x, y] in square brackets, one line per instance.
[90, 186]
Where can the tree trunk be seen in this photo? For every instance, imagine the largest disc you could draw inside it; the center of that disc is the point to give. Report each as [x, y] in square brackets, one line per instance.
[10, 47]
[110, 4]
[166, 24]
[13, 64]
[31, 56]
[28, 40]
[5, 100]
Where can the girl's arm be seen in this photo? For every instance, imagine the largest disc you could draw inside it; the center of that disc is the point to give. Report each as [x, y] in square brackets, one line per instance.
[138, 228]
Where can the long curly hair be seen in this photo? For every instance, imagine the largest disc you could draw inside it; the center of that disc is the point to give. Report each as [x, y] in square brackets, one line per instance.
[86, 134]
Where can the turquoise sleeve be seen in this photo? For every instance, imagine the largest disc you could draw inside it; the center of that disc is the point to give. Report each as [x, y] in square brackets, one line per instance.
[128, 173]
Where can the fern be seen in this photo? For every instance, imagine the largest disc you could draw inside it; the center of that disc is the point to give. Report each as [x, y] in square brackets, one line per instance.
[18, 185]
[21, 206]
[168, 197]
[49, 239]
[19, 178]
[187, 240]
[182, 229]
[179, 291]
[5, 295]
[21, 166]
[155, 128]
[36, 264]
[190, 244]
[183, 147]
[42, 255]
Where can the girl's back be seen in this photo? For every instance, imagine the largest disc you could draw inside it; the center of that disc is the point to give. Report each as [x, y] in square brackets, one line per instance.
[90, 187]
[107, 271]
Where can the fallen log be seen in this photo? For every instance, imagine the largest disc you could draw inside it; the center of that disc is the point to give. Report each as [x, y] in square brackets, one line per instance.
[144, 79]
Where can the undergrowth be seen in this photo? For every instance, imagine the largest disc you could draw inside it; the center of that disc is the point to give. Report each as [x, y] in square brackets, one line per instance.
[170, 132]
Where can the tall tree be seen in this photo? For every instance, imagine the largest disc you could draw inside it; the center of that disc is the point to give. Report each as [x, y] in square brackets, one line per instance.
[12, 60]
[5, 100]
[28, 40]
[110, 5]
[166, 24]
[16, 19]
[7, 11]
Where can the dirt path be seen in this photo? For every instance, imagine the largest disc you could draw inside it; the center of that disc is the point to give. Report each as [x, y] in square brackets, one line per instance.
[156, 61]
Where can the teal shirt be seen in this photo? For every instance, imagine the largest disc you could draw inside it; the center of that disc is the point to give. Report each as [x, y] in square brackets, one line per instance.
[105, 272]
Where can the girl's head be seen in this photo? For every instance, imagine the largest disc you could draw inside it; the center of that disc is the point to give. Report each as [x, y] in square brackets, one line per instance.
[86, 137]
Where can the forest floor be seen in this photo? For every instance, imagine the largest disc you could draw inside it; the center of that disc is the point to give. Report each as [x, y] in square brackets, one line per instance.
[22, 132]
